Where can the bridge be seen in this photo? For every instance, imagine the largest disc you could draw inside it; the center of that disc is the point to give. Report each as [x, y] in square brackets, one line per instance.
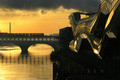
[25, 40]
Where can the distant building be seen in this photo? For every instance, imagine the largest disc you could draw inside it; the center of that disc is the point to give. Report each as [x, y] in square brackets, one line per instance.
[56, 34]
[65, 35]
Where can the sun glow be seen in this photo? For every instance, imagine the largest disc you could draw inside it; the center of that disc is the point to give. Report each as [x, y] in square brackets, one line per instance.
[40, 49]
[8, 51]
[12, 53]
[39, 21]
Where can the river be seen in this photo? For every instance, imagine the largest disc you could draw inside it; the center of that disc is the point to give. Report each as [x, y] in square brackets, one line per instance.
[34, 65]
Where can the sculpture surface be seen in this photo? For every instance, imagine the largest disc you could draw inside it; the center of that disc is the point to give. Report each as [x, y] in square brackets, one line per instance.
[106, 21]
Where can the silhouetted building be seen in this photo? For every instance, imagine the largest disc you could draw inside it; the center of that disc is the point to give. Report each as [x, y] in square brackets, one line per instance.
[66, 35]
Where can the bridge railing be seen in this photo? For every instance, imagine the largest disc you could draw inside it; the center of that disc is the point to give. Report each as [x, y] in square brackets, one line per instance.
[45, 39]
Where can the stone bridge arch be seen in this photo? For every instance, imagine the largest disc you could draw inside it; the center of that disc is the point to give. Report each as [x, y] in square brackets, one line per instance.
[25, 45]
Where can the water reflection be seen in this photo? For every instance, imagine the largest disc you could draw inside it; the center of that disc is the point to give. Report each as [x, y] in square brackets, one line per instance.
[34, 66]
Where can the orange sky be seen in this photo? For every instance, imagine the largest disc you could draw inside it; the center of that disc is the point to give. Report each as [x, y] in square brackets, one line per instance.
[48, 22]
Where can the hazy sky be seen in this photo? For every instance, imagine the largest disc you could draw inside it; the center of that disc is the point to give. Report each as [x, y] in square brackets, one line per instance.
[41, 16]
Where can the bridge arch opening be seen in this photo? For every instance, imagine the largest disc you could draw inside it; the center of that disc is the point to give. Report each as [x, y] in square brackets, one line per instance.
[40, 49]
[10, 50]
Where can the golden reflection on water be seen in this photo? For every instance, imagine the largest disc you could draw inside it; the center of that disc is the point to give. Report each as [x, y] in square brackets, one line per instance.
[12, 53]
[8, 51]
[36, 66]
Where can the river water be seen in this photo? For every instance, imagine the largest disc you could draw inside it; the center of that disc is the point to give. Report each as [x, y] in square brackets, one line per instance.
[34, 65]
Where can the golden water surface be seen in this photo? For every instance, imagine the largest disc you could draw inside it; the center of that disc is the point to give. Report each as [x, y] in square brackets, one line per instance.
[36, 65]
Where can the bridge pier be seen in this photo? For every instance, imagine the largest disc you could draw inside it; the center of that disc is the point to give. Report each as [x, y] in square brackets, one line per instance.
[24, 46]
[24, 49]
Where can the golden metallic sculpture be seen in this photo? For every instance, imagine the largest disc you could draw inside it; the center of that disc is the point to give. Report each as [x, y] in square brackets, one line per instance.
[106, 21]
